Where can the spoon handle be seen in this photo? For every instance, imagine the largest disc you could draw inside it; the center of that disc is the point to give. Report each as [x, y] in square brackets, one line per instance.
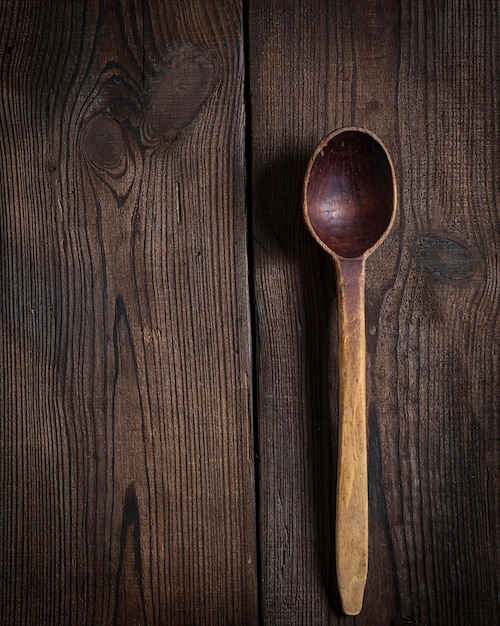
[352, 478]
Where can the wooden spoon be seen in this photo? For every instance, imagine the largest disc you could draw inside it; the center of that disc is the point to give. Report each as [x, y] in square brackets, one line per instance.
[349, 207]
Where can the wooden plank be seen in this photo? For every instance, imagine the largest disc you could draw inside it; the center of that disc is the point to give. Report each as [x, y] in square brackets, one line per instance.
[127, 460]
[425, 78]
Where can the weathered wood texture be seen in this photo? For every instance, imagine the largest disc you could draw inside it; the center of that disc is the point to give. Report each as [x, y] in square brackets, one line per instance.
[126, 463]
[424, 76]
[127, 490]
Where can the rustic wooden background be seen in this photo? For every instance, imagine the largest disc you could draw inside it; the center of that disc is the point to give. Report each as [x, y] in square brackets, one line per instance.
[168, 327]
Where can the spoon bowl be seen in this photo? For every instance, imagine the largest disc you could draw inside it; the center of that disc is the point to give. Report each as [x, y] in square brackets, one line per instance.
[350, 194]
[349, 207]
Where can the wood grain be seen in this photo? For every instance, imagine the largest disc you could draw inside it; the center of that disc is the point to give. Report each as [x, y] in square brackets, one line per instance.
[127, 461]
[425, 78]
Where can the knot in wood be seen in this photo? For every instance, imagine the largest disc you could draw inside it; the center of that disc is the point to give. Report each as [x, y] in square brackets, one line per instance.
[104, 144]
[177, 92]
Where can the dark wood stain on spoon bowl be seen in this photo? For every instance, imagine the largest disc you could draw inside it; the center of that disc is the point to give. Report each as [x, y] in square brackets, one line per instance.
[350, 193]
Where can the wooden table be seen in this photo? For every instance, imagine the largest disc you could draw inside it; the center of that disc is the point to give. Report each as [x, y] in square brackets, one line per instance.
[168, 326]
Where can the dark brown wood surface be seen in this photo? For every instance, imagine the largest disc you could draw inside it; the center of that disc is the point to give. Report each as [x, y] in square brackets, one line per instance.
[132, 409]
[424, 76]
[127, 446]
